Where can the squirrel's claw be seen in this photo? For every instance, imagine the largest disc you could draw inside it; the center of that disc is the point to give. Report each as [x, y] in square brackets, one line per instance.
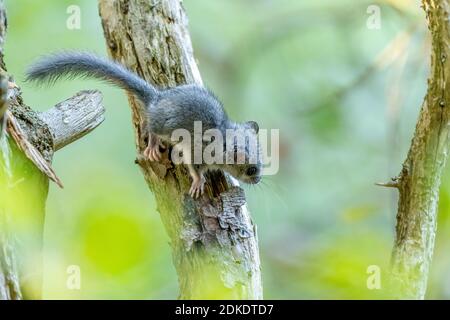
[156, 154]
[197, 187]
[152, 152]
[147, 153]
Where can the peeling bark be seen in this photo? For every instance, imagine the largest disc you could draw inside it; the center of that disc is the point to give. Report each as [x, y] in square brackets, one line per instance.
[420, 178]
[25, 156]
[213, 240]
[10, 285]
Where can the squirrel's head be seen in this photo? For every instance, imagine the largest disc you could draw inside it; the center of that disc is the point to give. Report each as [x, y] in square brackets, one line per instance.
[243, 154]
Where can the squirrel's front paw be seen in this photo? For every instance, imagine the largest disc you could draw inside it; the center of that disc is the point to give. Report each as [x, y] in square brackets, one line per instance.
[153, 150]
[197, 187]
[153, 153]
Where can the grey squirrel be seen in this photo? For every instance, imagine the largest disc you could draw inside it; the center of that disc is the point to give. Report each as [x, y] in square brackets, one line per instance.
[167, 110]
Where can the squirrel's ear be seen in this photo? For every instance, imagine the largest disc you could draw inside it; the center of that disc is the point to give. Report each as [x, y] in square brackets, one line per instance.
[253, 125]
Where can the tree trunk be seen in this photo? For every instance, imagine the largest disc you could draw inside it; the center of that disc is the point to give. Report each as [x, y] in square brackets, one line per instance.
[26, 150]
[419, 180]
[213, 239]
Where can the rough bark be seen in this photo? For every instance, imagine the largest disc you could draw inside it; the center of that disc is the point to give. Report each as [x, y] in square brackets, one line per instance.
[73, 118]
[26, 153]
[213, 240]
[419, 180]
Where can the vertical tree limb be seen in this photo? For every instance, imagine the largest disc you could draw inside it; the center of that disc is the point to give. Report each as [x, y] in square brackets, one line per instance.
[214, 242]
[419, 180]
[9, 275]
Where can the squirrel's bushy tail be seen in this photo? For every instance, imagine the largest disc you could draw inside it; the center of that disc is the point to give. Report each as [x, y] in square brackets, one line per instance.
[51, 68]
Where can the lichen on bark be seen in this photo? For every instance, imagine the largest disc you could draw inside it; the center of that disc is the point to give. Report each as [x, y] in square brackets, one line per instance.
[420, 178]
[213, 240]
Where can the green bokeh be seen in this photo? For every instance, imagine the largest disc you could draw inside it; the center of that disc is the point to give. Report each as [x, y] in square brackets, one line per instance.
[298, 66]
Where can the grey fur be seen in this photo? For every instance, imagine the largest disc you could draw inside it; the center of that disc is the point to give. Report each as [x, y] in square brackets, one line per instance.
[72, 64]
[167, 109]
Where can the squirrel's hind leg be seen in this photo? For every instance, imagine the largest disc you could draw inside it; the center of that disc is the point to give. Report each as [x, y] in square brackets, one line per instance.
[198, 180]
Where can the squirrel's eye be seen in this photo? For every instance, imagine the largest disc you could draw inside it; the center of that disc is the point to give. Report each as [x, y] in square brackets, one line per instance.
[251, 171]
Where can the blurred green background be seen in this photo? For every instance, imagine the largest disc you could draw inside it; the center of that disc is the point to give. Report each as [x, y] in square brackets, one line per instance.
[345, 98]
